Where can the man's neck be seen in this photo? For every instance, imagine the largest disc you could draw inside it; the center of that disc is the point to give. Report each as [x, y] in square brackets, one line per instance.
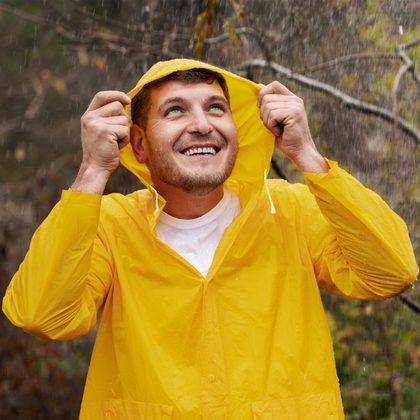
[188, 205]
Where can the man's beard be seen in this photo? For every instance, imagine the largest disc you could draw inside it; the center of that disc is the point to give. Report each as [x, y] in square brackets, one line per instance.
[167, 170]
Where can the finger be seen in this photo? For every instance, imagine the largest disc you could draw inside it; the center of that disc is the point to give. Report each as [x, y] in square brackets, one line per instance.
[110, 110]
[274, 88]
[292, 109]
[281, 99]
[117, 120]
[274, 118]
[121, 134]
[106, 97]
[273, 125]
[280, 111]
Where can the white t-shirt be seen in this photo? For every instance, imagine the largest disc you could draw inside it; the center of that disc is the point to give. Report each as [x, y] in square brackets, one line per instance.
[196, 239]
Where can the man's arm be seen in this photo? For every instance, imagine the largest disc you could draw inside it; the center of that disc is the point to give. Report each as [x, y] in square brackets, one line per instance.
[360, 248]
[67, 271]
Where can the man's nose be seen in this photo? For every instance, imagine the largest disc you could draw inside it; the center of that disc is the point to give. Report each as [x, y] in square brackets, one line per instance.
[200, 123]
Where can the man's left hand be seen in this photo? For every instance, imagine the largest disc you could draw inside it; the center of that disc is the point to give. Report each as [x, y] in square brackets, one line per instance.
[283, 113]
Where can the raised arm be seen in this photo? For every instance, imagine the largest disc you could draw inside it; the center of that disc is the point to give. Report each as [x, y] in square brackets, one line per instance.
[67, 272]
[360, 248]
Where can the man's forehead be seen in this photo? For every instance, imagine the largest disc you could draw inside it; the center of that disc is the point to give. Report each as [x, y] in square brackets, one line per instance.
[178, 88]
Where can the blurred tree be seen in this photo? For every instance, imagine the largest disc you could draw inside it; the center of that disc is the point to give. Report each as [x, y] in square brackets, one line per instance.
[356, 64]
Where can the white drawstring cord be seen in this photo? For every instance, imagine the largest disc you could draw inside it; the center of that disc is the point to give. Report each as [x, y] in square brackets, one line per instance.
[273, 208]
[156, 201]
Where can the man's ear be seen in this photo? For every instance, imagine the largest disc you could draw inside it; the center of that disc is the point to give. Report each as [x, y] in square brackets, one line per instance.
[137, 137]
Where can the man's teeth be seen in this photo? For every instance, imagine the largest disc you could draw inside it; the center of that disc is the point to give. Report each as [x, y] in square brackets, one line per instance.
[200, 151]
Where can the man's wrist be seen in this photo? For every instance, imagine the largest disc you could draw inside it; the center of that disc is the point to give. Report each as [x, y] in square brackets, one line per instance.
[311, 161]
[90, 180]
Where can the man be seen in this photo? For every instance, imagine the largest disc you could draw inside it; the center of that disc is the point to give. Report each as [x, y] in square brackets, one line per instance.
[207, 282]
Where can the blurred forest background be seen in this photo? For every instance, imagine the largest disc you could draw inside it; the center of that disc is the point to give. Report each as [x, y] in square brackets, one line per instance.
[356, 63]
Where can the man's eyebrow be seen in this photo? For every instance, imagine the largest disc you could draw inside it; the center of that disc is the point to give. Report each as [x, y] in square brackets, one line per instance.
[217, 98]
[180, 100]
[173, 99]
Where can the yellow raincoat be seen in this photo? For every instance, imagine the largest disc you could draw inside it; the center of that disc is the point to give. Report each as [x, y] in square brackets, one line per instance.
[249, 341]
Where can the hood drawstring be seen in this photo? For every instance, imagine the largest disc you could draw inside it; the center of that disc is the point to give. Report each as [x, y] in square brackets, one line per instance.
[156, 201]
[273, 208]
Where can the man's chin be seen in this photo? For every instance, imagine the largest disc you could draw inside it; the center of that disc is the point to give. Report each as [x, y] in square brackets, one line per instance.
[202, 185]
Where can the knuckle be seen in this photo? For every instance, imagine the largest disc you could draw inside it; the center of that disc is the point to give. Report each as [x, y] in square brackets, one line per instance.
[276, 85]
[85, 119]
[102, 129]
[100, 95]
[116, 107]
[272, 119]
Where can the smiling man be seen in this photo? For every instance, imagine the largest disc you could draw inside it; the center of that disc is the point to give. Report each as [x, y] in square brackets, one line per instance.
[189, 141]
[207, 281]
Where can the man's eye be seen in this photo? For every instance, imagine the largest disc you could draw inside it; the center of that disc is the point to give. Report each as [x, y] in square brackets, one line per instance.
[173, 110]
[217, 107]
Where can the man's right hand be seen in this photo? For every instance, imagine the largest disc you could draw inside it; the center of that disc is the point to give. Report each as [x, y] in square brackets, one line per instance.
[105, 130]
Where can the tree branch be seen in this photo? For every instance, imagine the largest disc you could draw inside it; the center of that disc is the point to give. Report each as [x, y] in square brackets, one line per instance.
[410, 304]
[350, 58]
[27, 16]
[407, 66]
[241, 31]
[346, 100]
[9, 126]
[112, 41]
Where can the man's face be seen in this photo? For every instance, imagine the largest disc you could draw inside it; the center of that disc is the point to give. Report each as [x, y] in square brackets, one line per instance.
[191, 139]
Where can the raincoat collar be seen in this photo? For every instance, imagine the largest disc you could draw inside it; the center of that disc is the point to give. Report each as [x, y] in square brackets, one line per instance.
[254, 140]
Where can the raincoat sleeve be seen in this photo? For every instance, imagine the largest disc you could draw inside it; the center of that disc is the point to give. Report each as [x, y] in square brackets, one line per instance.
[360, 248]
[61, 284]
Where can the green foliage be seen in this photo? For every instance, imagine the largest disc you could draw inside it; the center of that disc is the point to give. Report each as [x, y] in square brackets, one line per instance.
[377, 354]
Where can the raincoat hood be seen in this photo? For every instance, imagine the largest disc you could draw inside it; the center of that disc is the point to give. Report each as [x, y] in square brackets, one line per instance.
[255, 141]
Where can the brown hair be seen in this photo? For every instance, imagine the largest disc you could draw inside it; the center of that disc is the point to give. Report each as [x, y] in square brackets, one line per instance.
[140, 104]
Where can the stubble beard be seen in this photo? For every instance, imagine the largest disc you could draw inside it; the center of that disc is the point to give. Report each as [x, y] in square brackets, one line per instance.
[168, 171]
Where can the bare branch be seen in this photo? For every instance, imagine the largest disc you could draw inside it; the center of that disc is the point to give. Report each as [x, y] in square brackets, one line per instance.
[242, 31]
[103, 19]
[36, 104]
[407, 60]
[410, 44]
[415, 307]
[112, 42]
[27, 16]
[9, 126]
[350, 58]
[227, 36]
[347, 100]
[401, 71]
[407, 66]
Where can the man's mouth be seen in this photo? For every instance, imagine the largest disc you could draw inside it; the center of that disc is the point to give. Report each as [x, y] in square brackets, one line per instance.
[193, 151]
